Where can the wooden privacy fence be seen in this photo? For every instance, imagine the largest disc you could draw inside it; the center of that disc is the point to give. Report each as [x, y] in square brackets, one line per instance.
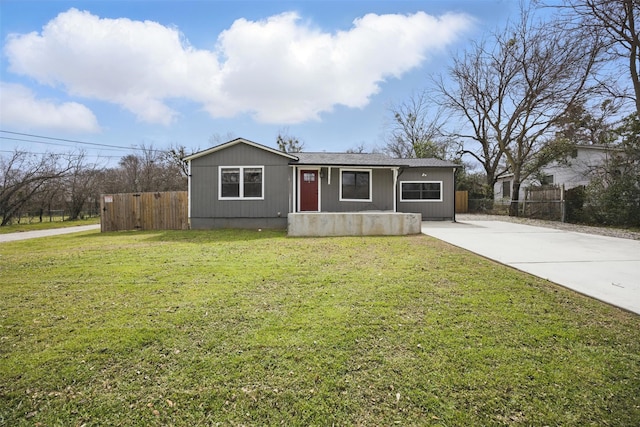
[144, 211]
[544, 203]
[462, 201]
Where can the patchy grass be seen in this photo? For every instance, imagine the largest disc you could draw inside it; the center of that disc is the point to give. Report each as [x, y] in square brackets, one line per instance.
[46, 225]
[254, 328]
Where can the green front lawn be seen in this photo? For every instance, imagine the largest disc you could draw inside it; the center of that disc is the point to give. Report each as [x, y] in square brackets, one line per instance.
[254, 328]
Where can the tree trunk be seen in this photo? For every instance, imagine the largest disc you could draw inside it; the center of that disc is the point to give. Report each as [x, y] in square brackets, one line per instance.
[75, 208]
[515, 198]
[491, 181]
[633, 50]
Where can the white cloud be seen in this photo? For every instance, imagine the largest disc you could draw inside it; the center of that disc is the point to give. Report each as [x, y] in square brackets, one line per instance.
[280, 69]
[20, 109]
[286, 71]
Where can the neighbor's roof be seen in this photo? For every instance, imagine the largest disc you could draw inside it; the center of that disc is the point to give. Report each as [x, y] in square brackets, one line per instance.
[364, 159]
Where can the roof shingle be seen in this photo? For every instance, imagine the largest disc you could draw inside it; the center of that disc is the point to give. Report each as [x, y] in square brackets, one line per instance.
[364, 159]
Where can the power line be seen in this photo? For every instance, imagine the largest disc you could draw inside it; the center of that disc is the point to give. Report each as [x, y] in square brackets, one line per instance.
[49, 143]
[79, 142]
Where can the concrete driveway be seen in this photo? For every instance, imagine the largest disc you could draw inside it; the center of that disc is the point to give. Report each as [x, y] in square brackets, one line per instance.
[11, 237]
[606, 268]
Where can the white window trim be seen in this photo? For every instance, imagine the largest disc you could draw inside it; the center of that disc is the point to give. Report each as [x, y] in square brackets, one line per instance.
[370, 171]
[402, 199]
[241, 197]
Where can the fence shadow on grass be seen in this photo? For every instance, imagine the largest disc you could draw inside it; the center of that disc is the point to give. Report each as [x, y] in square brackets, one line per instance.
[193, 236]
[212, 236]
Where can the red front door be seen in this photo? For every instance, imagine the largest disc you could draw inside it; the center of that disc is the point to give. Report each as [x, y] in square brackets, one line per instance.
[309, 190]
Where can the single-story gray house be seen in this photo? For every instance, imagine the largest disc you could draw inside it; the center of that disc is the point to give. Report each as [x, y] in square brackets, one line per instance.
[242, 184]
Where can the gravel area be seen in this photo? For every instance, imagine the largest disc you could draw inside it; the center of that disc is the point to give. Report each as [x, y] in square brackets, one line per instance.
[602, 231]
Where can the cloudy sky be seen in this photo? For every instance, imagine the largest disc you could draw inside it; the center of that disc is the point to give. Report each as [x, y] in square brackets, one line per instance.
[117, 74]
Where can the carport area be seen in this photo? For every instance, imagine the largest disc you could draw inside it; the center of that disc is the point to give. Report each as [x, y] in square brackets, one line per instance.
[606, 268]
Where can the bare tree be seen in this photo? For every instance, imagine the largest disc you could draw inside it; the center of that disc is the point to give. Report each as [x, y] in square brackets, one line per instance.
[358, 149]
[23, 176]
[130, 174]
[217, 138]
[288, 143]
[588, 125]
[619, 23]
[146, 171]
[174, 157]
[510, 92]
[49, 198]
[414, 130]
[81, 185]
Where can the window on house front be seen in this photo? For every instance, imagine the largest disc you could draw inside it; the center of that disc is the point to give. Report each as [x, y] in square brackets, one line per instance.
[241, 182]
[547, 180]
[506, 189]
[355, 185]
[421, 191]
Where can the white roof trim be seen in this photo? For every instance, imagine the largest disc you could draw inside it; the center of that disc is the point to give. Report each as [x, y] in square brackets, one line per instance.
[235, 142]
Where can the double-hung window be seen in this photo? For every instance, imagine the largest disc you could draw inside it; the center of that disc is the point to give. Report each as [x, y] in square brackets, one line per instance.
[241, 182]
[419, 191]
[355, 185]
[506, 189]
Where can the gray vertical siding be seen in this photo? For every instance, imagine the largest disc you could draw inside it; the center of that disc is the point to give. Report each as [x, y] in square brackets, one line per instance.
[209, 212]
[430, 210]
[382, 192]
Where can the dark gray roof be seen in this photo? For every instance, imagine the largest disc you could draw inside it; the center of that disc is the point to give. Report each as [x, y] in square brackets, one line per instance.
[341, 159]
[232, 143]
[364, 159]
[425, 163]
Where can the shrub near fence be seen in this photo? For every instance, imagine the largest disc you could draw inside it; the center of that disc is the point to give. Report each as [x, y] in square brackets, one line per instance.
[574, 205]
[481, 205]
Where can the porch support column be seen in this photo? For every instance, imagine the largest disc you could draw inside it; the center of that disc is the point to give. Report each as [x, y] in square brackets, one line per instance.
[395, 189]
[294, 193]
[189, 192]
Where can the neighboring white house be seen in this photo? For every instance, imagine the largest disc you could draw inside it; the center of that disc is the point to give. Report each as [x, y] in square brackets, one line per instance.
[573, 172]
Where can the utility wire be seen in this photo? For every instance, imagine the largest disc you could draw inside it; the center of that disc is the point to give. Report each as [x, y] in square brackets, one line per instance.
[50, 143]
[79, 142]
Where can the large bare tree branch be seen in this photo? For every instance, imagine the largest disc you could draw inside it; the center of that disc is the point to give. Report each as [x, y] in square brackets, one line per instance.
[415, 130]
[510, 90]
[617, 20]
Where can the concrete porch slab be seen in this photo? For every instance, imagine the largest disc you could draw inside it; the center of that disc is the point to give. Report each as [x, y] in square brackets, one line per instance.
[353, 224]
